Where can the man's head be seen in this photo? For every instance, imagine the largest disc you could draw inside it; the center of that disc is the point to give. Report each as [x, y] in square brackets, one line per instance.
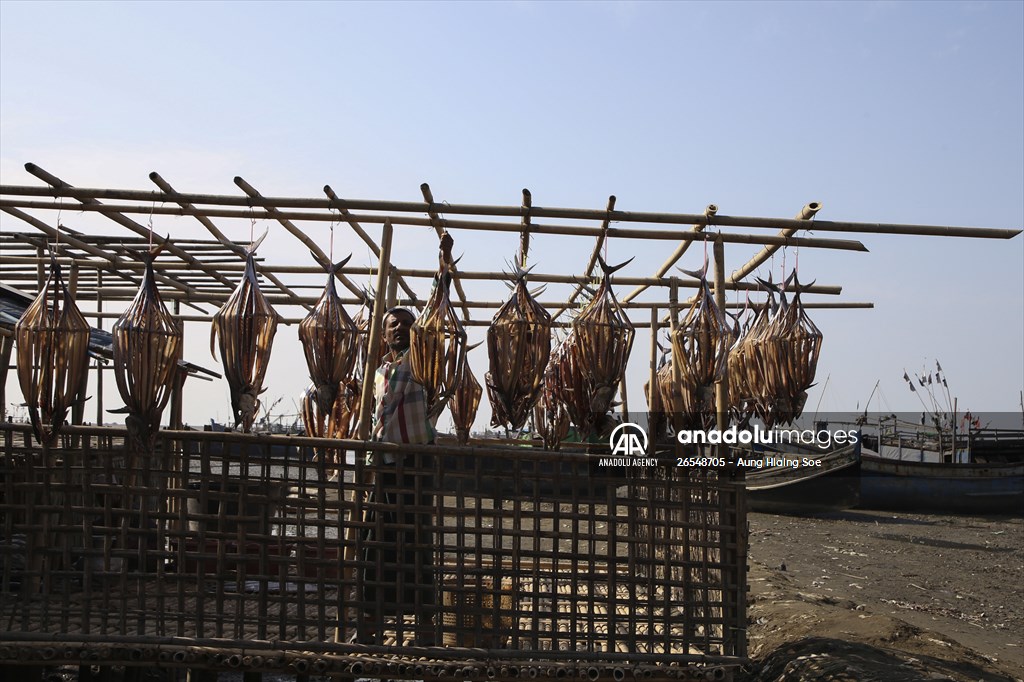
[397, 323]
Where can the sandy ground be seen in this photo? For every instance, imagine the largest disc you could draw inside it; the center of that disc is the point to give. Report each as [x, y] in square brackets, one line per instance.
[883, 596]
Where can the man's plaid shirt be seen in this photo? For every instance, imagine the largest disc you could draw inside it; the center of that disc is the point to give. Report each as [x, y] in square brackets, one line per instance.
[401, 414]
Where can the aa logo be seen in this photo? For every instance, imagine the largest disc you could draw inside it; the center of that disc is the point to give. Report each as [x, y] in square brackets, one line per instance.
[628, 440]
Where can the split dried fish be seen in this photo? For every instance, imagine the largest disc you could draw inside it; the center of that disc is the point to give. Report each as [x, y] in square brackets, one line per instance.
[550, 417]
[464, 404]
[339, 422]
[246, 325]
[700, 346]
[147, 344]
[53, 355]
[330, 341]
[786, 356]
[518, 347]
[437, 347]
[596, 354]
[362, 322]
[745, 381]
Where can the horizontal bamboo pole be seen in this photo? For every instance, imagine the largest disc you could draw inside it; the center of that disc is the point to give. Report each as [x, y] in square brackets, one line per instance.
[131, 243]
[512, 211]
[819, 305]
[429, 274]
[535, 228]
[125, 293]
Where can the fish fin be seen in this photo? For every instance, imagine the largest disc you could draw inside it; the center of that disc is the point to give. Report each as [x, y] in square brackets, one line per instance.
[608, 270]
[697, 274]
[322, 262]
[767, 284]
[336, 268]
[256, 244]
[152, 252]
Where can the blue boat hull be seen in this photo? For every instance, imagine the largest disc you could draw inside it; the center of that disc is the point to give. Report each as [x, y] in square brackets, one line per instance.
[900, 485]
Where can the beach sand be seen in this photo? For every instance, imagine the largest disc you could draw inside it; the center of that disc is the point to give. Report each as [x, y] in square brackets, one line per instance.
[867, 595]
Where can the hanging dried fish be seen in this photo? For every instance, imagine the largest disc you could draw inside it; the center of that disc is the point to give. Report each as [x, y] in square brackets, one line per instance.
[518, 347]
[786, 356]
[339, 422]
[465, 403]
[362, 322]
[53, 355]
[147, 344]
[742, 395]
[550, 417]
[657, 420]
[330, 341]
[246, 325]
[596, 355]
[437, 347]
[700, 346]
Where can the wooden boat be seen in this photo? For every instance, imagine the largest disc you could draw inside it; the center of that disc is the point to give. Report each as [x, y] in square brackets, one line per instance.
[979, 488]
[779, 487]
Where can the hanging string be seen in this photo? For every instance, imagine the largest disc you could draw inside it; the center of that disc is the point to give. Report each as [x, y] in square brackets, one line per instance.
[705, 254]
[56, 239]
[331, 258]
[152, 208]
[783, 285]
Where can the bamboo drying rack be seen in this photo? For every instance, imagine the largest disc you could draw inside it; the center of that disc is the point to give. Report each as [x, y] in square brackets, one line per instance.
[686, 536]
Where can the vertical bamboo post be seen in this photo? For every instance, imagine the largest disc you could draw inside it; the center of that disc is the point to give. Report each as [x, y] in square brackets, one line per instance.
[722, 387]
[365, 476]
[73, 279]
[78, 407]
[677, 375]
[524, 236]
[624, 396]
[392, 287]
[177, 402]
[99, 366]
[652, 392]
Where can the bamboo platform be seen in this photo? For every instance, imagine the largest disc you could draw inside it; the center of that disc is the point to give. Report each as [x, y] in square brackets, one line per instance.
[218, 544]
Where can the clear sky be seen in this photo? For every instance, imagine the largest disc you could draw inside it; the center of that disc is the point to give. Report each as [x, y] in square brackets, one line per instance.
[905, 112]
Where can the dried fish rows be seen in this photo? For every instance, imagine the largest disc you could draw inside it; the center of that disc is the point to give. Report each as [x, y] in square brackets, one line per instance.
[772, 356]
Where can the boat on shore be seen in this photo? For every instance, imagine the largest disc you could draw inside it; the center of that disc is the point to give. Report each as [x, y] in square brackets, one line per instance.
[974, 488]
[787, 484]
[936, 468]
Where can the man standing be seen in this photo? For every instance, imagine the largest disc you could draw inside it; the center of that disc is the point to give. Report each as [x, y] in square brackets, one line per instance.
[400, 578]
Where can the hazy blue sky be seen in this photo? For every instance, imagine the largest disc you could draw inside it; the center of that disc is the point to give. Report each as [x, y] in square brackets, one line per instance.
[883, 111]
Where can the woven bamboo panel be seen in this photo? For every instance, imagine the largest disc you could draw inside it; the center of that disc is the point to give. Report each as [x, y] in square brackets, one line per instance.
[250, 544]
